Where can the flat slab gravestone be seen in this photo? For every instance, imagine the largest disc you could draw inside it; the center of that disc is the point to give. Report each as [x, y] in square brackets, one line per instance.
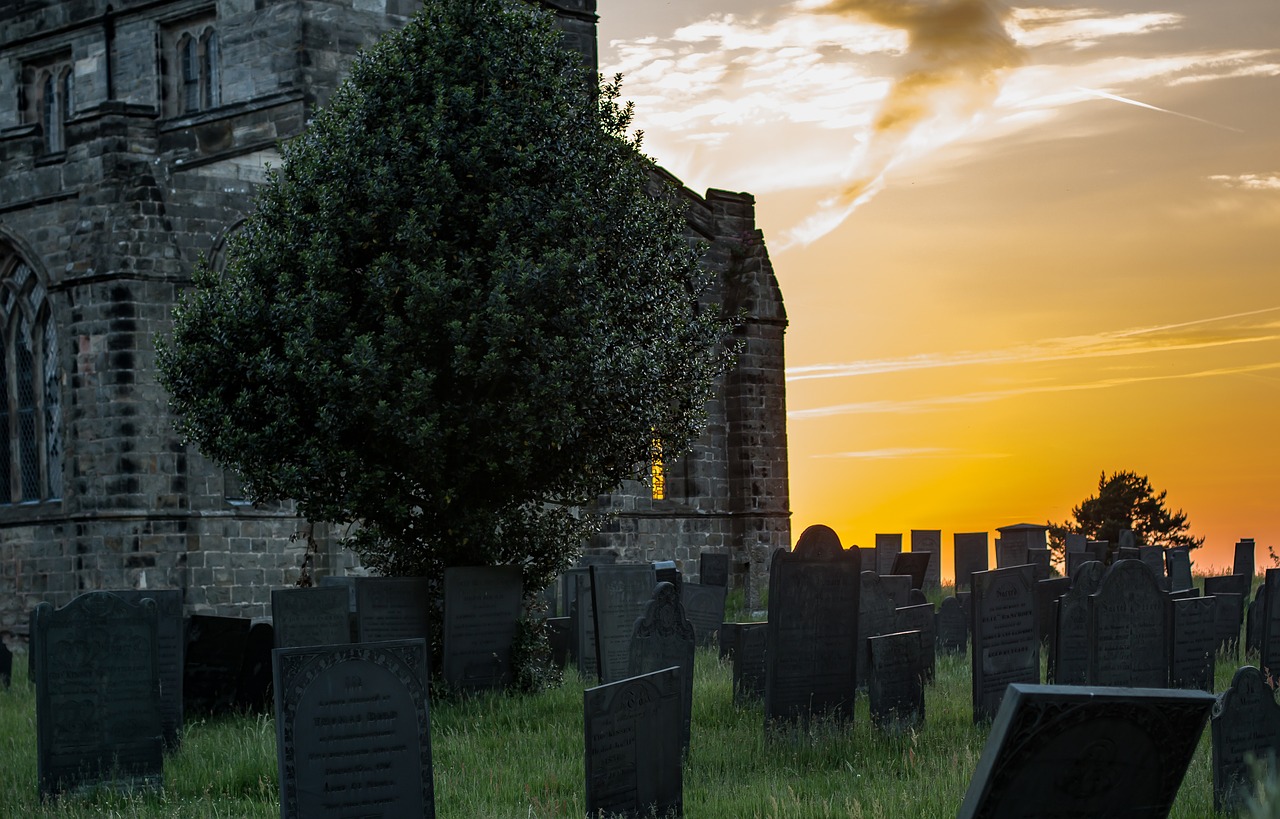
[1009, 555]
[1153, 557]
[1069, 643]
[929, 541]
[481, 608]
[1077, 559]
[913, 564]
[1129, 628]
[666, 571]
[877, 612]
[98, 716]
[582, 627]
[1245, 722]
[1064, 752]
[1244, 564]
[923, 620]
[170, 642]
[214, 663]
[1006, 648]
[1253, 617]
[1229, 583]
[704, 606]
[1042, 559]
[953, 627]
[353, 731]
[1047, 594]
[1191, 649]
[1178, 566]
[895, 681]
[310, 617]
[619, 595]
[1271, 625]
[632, 736]
[392, 608]
[348, 583]
[748, 662]
[970, 556]
[888, 547]
[713, 569]
[1227, 614]
[661, 638]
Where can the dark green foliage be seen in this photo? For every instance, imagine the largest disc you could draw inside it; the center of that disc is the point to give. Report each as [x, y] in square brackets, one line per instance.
[460, 307]
[1126, 500]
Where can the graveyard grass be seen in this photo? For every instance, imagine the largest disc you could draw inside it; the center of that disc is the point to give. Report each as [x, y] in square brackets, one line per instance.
[520, 757]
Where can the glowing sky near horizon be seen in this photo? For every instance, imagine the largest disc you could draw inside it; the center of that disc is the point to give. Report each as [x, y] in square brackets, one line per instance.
[1019, 245]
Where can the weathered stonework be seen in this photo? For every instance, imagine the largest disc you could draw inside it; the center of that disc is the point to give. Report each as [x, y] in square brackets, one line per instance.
[111, 218]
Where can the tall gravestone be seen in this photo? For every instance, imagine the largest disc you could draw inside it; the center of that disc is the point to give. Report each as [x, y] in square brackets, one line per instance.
[632, 735]
[662, 638]
[170, 643]
[353, 730]
[713, 569]
[877, 611]
[253, 691]
[704, 605]
[481, 609]
[1042, 559]
[923, 620]
[1269, 643]
[953, 627]
[1178, 564]
[213, 663]
[1227, 614]
[1047, 594]
[1191, 647]
[930, 541]
[895, 681]
[970, 557]
[1069, 643]
[749, 662]
[1244, 564]
[1253, 616]
[582, 628]
[1245, 723]
[98, 714]
[345, 582]
[888, 547]
[1129, 629]
[1006, 648]
[6, 665]
[310, 617]
[812, 639]
[1153, 557]
[392, 608]
[619, 595]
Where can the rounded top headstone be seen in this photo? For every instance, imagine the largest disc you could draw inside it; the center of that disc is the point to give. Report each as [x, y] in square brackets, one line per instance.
[818, 541]
[1088, 577]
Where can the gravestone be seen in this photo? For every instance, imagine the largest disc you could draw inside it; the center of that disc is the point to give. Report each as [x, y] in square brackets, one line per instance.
[812, 642]
[1269, 640]
[1183, 593]
[98, 713]
[898, 587]
[704, 606]
[895, 681]
[1227, 613]
[392, 608]
[344, 582]
[1178, 563]
[1042, 559]
[1228, 583]
[726, 638]
[1191, 647]
[1005, 646]
[1011, 554]
[888, 547]
[929, 541]
[253, 691]
[970, 557]
[1129, 629]
[1069, 652]
[917, 598]
[1128, 553]
[567, 583]
[876, 613]
[1245, 723]
[1077, 559]
[922, 620]
[1101, 551]
[1243, 563]
[6, 665]
[213, 663]
[1047, 594]
[31, 646]
[481, 608]
[582, 628]
[1076, 544]
[666, 571]
[953, 627]
[170, 642]
[913, 564]
[1063, 752]
[1127, 539]
[633, 761]
[310, 617]
[558, 637]
[1253, 620]
[662, 638]
[619, 595]
[749, 662]
[353, 731]
[713, 569]
[1153, 557]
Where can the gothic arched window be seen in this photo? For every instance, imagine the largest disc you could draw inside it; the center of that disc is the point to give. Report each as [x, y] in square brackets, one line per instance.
[192, 72]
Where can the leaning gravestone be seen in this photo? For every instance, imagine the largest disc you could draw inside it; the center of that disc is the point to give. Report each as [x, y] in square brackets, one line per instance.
[170, 641]
[1227, 613]
[98, 713]
[876, 614]
[1244, 564]
[1191, 653]
[953, 627]
[213, 663]
[895, 681]
[888, 547]
[929, 541]
[392, 608]
[713, 569]
[481, 609]
[704, 605]
[353, 732]
[633, 761]
[1069, 657]
[1005, 646]
[1245, 723]
[1129, 629]
[812, 642]
[970, 557]
[748, 662]
[1178, 562]
[619, 595]
[922, 620]
[1064, 752]
[1047, 594]
[913, 564]
[662, 638]
[310, 617]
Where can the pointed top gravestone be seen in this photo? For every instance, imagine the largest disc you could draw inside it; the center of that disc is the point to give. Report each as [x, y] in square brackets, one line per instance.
[662, 638]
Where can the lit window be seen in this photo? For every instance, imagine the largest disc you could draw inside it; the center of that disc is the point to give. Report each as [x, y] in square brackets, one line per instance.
[657, 470]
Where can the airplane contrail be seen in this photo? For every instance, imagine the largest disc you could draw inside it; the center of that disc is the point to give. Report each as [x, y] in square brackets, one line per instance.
[1128, 101]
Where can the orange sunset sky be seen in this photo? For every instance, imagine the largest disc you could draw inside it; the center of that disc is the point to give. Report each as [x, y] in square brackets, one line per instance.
[1019, 245]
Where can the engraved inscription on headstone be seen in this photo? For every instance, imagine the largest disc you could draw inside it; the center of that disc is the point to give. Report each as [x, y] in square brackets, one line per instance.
[704, 605]
[353, 730]
[748, 662]
[970, 556]
[481, 608]
[1129, 628]
[953, 627]
[930, 541]
[888, 547]
[895, 681]
[170, 641]
[921, 619]
[619, 595]
[392, 608]
[876, 613]
[1191, 648]
[713, 569]
[310, 617]
[1005, 646]
[1069, 661]
[661, 638]
[633, 761]
[1245, 723]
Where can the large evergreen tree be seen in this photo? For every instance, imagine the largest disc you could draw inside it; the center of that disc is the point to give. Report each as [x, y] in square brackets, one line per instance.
[1126, 500]
[460, 308]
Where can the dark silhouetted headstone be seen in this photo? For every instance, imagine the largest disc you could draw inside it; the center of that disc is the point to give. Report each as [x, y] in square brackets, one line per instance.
[1178, 563]
[1047, 594]
[929, 541]
[353, 732]
[917, 598]
[633, 760]
[666, 571]
[663, 637]
[704, 606]
[1245, 723]
[1063, 752]
[811, 658]
[619, 595]
[1191, 653]
[1153, 557]
[1254, 613]
[898, 587]
[310, 617]
[1077, 559]
[888, 547]
[713, 569]
[895, 681]
[1227, 614]
[1229, 583]
[1069, 643]
[1042, 559]
[253, 692]
[1244, 563]
[876, 614]
[726, 637]
[559, 636]
[913, 564]
[170, 642]
[1076, 544]
[6, 665]
[1101, 551]
[1009, 555]
[1128, 553]
[392, 608]
[748, 662]
[1270, 621]
[1127, 539]
[953, 627]
[922, 620]
[582, 627]
[214, 662]
[970, 556]
[98, 716]
[1129, 629]
[481, 608]
[1005, 646]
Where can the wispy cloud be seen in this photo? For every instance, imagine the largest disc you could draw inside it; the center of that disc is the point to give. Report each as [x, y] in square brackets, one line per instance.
[896, 453]
[1250, 181]
[1082, 28]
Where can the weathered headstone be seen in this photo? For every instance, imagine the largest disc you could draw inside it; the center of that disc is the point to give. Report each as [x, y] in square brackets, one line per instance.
[1178, 563]
[213, 663]
[567, 583]
[1076, 544]
[814, 594]
[917, 598]
[170, 642]
[1269, 641]
[619, 594]
[633, 760]
[1245, 724]
[1127, 539]
[1229, 583]
[1191, 654]
[1227, 613]
[1128, 553]
[748, 662]
[353, 731]
[1153, 557]
[98, 716]
[713, 569]
[1005, 646]
[915, 565]
[898, 587]
[1243, 563]
[1101, 551]
[922, 620]
[1077, 559]
[345, 582]
[1129, 629]
[666, 571]
[392, 608]
[1042, 559]
[310, 617]
[704, 605]
[1012, 554]
[1069, 643]
[877, 611]
[895, 681]
[970, 556]
[953, 627]
[1062, 752]
[662, 638]
[1047, 594]
[929, 541]
[888, 547]
[481, 609]
[582, 628]
[1253, 620]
